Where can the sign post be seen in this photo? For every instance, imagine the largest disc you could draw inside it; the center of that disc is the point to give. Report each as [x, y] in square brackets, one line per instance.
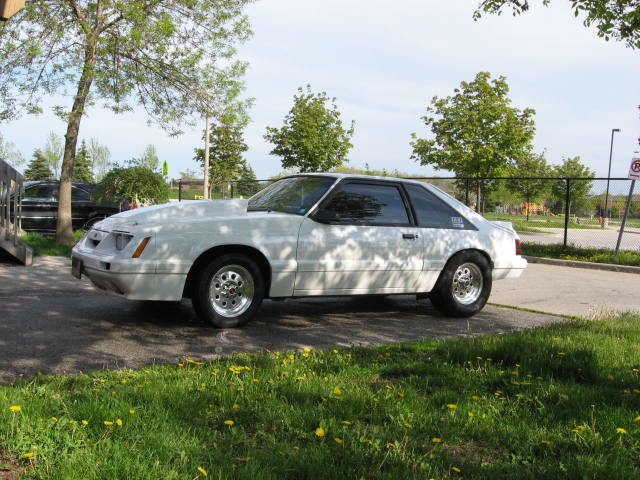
[634, 174]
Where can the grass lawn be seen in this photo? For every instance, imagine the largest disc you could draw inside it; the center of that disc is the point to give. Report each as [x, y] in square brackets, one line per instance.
[556, 402]
[46, 245]
[582, 254]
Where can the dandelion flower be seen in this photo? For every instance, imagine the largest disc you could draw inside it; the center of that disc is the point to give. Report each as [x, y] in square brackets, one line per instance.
[436, 440]
[28, 455]
[54, 419]
[107, 423]
[455, 469]
[621, 431]
[119, 422]
[132, 412]
[319, 432]
[347, 422]
[15, 408]
[637, 419]
[84, 422]
[338, 440]
[337, 391]
[229, 422]
[452, 406]
[408, 425]
[202, 471]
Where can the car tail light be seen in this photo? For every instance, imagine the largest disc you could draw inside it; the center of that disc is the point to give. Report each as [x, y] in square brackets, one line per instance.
[518, 249]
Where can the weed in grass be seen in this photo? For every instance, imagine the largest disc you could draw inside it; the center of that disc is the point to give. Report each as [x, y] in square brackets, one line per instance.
[557, 402]
[571, 252]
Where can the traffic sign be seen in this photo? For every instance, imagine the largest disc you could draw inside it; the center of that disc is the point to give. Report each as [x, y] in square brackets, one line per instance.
[634, 169]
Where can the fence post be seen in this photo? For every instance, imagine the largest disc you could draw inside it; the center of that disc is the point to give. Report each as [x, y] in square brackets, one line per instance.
[567, 209]
[180, 190]
[466, 192]
[231, 184]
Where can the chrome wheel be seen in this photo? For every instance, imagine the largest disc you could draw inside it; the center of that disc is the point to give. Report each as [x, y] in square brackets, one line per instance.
[232, 291]
[467, 283]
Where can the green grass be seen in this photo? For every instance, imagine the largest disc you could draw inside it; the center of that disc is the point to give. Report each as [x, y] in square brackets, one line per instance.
[582, 254]
[556, 402]
[46, 245]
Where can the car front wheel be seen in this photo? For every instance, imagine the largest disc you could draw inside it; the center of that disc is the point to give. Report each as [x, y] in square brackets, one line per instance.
[229, 291]
[464, 285]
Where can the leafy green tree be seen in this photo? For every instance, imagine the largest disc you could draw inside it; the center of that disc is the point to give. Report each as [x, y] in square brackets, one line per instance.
[166, 55]
[619, 19]
[100, 156]
[52, 151]
[136, 184]
[477, 133]
[578, 190]
[247, 184]
[38, 168]
[531, 189]
[312, 138]
[189, 174]
[9, 154]
[226, 150]
[82, 170]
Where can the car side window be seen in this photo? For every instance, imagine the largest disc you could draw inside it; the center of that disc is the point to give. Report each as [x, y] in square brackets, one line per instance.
[39, 193]
[432, 212]
[79, 195]
[366, 204]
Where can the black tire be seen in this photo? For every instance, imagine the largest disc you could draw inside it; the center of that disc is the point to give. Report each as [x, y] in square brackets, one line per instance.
[228, 291]
[464, 285]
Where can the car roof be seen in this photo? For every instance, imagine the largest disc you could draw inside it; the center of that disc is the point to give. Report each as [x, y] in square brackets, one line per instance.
[359, 176]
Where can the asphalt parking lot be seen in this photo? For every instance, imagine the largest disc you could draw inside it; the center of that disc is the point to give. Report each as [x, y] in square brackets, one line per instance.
[53, 323]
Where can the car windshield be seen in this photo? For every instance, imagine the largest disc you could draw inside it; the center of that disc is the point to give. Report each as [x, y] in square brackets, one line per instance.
[291, 195]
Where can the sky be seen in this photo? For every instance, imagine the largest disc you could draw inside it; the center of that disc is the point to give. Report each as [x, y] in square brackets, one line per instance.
[384, 62]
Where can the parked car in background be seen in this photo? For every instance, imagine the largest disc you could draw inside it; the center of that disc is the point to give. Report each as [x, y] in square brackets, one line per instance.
[303, 235]
[40, 206]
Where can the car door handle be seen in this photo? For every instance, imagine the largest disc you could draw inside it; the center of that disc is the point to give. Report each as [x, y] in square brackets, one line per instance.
[409, 236]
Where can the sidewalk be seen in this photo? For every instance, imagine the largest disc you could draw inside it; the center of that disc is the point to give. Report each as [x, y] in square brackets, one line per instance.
[570, 291]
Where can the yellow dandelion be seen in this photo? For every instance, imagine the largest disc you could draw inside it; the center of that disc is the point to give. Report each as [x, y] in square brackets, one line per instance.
[202, 471]
[347, 422]
[475, 397]
[119, 422]
[229, 422]
[108, 423]
[436, 440]
[320, 432]
[337, 391]
[391, 445]
[84, 422]
[54, 419]
[621, 431]
[28, 455]
[456, 469]
[15, 408]
[452, 406]
[546, 442]
[296, 448]
[338, 440]
[400, 395]
[408, 425]
[367, 441]
[637, 419]
[132, 411]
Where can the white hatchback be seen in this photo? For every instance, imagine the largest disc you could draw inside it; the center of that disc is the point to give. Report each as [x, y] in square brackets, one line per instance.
[303, 235]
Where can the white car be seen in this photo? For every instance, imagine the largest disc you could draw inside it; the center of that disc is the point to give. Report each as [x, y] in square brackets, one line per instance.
[303, 235]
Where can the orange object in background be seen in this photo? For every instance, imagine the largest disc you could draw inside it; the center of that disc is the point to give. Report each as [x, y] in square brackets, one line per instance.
[10, 7]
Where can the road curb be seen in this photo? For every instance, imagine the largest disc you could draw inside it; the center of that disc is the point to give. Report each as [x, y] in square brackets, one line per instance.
[577, 264]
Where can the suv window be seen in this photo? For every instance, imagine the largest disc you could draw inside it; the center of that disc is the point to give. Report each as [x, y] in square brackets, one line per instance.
[39, 193]
[434, 213]
[363, 203]
[79, 195]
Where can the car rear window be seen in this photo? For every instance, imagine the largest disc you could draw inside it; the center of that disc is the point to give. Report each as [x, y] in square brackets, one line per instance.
[432, 212]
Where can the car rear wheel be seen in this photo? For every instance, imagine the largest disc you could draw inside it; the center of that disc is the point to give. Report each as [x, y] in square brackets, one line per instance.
[229, 291]
[464, 285]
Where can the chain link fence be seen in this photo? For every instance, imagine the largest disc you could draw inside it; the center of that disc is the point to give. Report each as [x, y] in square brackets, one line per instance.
[585, 212]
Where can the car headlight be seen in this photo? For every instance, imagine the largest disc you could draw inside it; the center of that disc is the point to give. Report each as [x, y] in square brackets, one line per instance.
[122, 240]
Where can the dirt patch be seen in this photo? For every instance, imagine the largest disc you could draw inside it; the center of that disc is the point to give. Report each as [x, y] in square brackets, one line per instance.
[9, 468]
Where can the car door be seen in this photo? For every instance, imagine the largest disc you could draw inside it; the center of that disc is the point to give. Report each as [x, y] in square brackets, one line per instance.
[360, 240]
[39, 208]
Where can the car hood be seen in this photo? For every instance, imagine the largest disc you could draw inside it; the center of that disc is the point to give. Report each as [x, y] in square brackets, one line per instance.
[171, 213]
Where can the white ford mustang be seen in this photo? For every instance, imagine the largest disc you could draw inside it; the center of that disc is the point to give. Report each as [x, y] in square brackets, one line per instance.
[303, 235]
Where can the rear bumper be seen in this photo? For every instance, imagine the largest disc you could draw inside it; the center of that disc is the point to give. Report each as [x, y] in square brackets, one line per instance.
[512, 269]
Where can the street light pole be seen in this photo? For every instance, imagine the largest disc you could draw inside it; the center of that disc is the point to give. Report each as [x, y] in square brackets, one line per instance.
[606, 201]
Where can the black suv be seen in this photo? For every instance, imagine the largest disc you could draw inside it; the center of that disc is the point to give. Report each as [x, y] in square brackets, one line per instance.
[40, 206]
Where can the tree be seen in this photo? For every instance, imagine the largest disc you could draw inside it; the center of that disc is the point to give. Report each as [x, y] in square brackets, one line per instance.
[100, 156]
[82, 170]
[52, 151]
[227, 148]
[619, 19]
[477, 132]
[148, 159]
[38, 168]
[531, 189]
[9, 154]
[136, 184]
[247, 184]
[312, 137]
[162, 54]
[578, 189]
[188, 174]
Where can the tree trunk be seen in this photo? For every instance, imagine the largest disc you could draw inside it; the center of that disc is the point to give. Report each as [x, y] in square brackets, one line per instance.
[64, 229]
